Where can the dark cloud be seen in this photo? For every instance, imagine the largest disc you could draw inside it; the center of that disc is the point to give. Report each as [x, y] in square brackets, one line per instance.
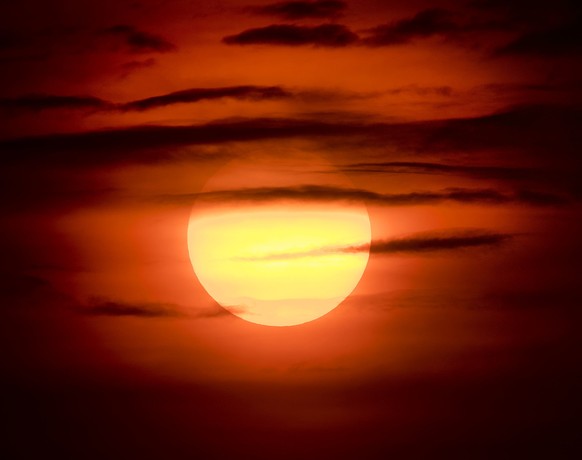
[318, 95]
[541, 34]
[520, 176]
[326, 35]
[151, 310]
[543, 133]
[541, 128]
[422, 90]
[148, 310]
[427, 243]
[523, 176]
[424, 24]
[38, 102]
[418, 167]
[320, 193]
[198, 94]
[151, 143]
[26, 45]
[565, 39]
[301, 9]
[138, 41]
[414, 244]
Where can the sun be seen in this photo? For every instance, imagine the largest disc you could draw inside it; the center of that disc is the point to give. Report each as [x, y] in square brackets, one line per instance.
[278, 263]
[279, 266]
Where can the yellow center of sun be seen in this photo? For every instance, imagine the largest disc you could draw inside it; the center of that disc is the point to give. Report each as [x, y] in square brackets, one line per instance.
[280, 266]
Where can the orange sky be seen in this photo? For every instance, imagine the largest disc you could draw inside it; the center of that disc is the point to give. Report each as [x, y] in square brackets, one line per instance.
[455, 124]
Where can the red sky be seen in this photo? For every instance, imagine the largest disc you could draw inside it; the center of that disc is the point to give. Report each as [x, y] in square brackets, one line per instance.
[455, 122]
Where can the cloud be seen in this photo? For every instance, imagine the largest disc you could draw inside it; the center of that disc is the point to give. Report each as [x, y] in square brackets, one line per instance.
[324, 35]
[538, 132]
[425, 24]
[38, 102]
[445, 91]
[198, 94]
[301, 9]
[151, 310]
[138, 41]
[414, 244]
[425, 243]
[150, 143]
[147, 310]
[565, 39]
[462, 26]
[418, 167]
[320, 193]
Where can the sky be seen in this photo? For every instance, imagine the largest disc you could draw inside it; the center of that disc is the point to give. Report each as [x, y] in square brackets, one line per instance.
[455, 125]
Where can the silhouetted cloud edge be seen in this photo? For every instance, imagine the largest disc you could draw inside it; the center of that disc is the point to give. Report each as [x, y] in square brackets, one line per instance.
[533, 130]
[38, 102]
[323, 35]
[321, 193]
[147, 310]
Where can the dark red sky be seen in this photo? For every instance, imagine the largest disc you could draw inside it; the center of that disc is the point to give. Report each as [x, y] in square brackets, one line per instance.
[458, 124]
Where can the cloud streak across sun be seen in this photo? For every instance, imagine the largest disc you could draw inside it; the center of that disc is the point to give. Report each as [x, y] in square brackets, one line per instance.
[406, 245]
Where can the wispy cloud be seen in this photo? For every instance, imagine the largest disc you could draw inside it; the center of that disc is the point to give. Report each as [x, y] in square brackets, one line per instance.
[137, 41]
[426, 23]
[320, 193]
[324, 35]
[38, 102]
[413, 244]
[536, 131]
[444, 91]
[112, 308]
[254, 93]
[419, 167]
[145, 310]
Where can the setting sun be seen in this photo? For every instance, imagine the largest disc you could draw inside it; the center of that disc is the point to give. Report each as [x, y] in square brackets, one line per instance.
[272, 266]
